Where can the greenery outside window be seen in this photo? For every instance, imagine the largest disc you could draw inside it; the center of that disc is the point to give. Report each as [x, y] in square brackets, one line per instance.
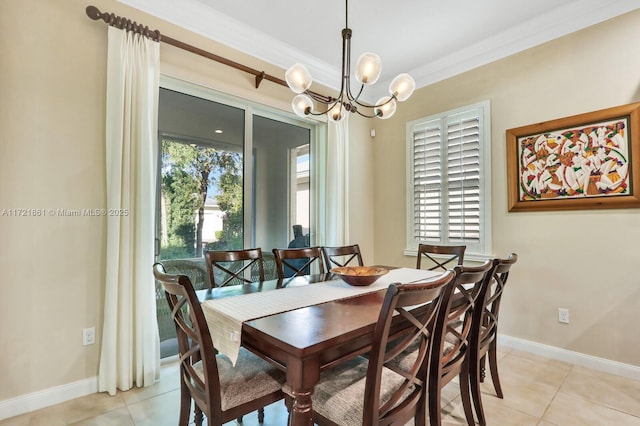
[449, 179]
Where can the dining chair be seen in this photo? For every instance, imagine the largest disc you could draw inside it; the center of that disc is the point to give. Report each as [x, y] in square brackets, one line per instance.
[293, 262]
[364, 391]
[486, 342]
[220, 390]
[227, 267]
[335, 257]
[453, 334]
[452, 331]
[441, 257]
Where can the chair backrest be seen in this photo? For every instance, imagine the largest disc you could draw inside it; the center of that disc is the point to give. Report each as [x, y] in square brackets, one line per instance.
[335, 257]
[195, 269]
[194, 342]
[492, 297]
[228, 267]
[297, 261]
[400, 304]
[454, 329]
[446, 256]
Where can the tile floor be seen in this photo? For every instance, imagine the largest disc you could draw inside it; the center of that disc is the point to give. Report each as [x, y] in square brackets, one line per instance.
[538, 391]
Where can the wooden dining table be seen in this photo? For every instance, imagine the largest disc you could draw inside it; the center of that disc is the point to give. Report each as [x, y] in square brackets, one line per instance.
[306, 341]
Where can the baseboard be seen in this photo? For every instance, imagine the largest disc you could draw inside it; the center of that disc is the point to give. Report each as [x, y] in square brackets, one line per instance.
[571, 357]
[45, 398]
[56, 395]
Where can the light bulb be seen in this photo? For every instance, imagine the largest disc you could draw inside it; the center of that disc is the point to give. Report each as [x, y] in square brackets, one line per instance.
[298, 78]
[387, 107]
[302, 105]
[402, 87]
[336, 112]
[368, 68]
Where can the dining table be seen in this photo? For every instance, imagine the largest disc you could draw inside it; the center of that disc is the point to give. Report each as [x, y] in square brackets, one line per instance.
[303, 325]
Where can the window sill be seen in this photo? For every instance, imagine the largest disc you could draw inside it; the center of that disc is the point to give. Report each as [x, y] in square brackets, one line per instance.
[474, 257]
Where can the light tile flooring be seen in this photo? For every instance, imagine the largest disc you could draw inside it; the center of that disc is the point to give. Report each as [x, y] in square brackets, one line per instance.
[538, 391]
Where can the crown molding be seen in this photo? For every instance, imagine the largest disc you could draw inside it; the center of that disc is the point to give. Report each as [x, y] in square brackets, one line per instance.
[200, 19]
[555, 24]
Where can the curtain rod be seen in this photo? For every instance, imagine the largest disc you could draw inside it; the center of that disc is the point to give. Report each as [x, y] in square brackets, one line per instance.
[129, 25]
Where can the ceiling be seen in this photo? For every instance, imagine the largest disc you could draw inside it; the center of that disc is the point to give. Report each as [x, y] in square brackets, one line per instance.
[431, 40]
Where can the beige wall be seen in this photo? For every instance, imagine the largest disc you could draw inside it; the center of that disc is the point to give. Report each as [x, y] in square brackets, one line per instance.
[581, 260]
[52, 81]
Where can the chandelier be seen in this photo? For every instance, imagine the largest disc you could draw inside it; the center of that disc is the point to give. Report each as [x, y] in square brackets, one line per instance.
[367, 72]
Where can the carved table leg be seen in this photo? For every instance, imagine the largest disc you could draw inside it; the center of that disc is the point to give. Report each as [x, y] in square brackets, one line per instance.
[301, 410]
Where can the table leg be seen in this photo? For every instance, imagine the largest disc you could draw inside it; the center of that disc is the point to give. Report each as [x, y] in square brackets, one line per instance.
[302, 376]
[301, 411]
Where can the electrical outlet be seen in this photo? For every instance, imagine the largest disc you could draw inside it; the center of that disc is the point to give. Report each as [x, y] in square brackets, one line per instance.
[563, 315]
[88, 336]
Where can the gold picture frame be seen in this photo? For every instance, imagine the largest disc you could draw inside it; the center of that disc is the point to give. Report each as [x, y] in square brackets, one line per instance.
[586, 161]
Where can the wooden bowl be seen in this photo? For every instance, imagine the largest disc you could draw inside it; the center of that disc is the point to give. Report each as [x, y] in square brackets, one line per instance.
[359, 275]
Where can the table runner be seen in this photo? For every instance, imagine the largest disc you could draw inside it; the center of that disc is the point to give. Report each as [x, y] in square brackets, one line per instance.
[225, 316]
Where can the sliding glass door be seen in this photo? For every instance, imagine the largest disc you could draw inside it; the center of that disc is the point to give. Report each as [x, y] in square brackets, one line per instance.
[232, 175]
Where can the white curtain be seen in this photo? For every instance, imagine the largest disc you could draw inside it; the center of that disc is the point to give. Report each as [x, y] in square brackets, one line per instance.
[130, 343]
[337, 185]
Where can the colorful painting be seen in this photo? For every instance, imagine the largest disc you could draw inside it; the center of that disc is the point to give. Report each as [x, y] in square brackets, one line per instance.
[588, 161]
[578, 162]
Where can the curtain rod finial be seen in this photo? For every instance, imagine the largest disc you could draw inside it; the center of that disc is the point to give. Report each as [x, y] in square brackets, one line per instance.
[93, 13]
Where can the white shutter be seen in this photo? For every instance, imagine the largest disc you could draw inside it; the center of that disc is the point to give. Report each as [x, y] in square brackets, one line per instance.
[427, 181]
[449, 179]
[463, 178]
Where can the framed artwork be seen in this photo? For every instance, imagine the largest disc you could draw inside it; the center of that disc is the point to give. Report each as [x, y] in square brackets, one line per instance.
[586, 161]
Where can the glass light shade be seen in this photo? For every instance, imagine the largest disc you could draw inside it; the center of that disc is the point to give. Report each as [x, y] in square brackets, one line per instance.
[388, 109]
[298, 78]
[336, 112]
[368, 68]
[402, 86]
[302, 105]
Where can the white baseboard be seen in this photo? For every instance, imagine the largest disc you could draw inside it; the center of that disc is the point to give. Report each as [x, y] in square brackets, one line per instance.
[56, 395]
[47, 397]
[571, 357]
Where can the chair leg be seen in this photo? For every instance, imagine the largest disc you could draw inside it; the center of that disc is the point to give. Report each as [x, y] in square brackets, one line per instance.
[260, 415]
[464, 393]
[474, 383]
[185, 406]
[198, 416]
[420, 419]
[493, 366]
[435, 408]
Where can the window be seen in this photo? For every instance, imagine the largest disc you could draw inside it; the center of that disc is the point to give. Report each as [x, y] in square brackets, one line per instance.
[449, 179]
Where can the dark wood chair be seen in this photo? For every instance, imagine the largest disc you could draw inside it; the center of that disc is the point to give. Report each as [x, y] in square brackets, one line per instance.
[441, 257]
[298, 261]
[229, 266]
[486, 342]
[220, 391]
[335, 257]
[453, 333]
[365, 391]
[452, 336]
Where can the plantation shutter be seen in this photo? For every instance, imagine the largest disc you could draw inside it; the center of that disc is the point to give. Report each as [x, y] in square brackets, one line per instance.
[427, 184]
[463, 178]
[447, 198]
